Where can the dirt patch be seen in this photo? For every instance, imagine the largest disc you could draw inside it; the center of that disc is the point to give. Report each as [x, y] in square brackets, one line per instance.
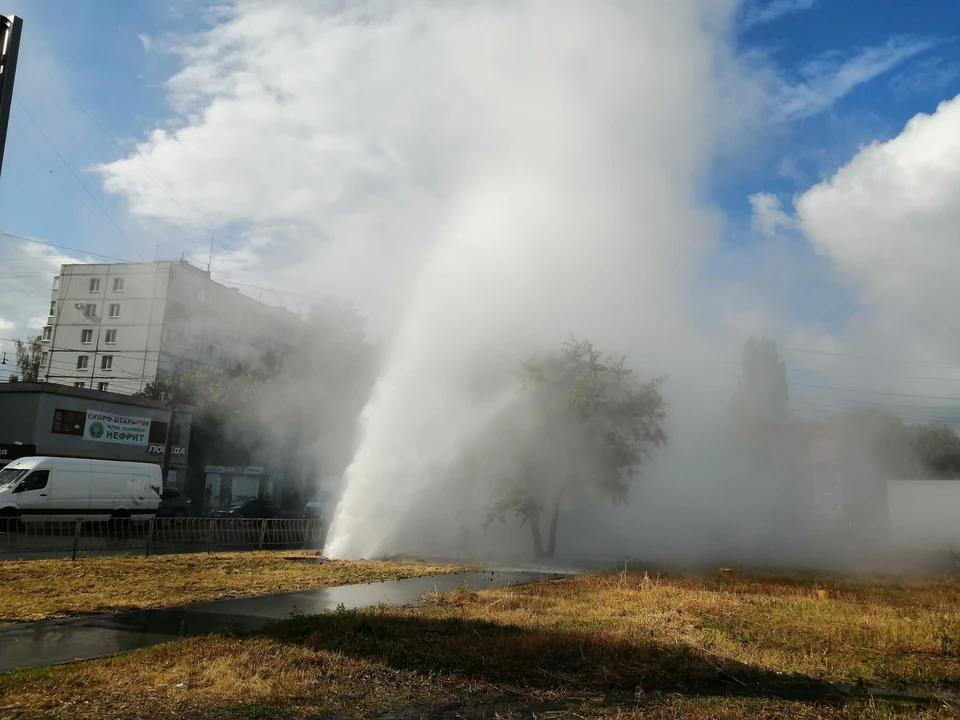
[308, 560]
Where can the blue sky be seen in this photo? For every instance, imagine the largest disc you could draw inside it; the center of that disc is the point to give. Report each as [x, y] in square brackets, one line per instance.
[93, 50]
[837, 75]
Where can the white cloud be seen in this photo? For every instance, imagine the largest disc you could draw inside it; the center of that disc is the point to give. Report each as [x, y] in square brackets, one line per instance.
[768, 215]
[25, 283]
[756, 13]
[829, 77]
[888, 222]
[299, 124]
[927, 76]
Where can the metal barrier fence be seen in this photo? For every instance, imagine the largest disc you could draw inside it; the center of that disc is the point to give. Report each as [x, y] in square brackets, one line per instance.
[157, 535]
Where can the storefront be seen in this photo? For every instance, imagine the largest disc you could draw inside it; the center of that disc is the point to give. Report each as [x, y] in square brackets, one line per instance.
[60, 421]
[224, 484]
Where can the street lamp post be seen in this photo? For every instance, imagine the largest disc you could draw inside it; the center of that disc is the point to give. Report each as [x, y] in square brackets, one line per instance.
[10, 30]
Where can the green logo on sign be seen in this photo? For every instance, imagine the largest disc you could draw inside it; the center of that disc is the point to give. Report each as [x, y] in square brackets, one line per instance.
[96, 430]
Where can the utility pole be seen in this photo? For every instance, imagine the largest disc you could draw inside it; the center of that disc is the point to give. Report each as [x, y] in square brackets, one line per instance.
[10, 30]
[173, 396]
[168, 445]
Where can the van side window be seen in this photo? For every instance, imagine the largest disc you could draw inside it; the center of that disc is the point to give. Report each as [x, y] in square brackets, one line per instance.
[35, 481]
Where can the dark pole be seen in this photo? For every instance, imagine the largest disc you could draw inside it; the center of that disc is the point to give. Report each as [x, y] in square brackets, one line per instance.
[168, 445]
[11, 28]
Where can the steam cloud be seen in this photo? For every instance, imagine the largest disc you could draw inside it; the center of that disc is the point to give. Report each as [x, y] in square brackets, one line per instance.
[570, 212]
[485, 178]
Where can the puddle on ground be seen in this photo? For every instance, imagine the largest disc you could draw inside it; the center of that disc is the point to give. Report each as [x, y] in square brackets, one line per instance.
[52, 642]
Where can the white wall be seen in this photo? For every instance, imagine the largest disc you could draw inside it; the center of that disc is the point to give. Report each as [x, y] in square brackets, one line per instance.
[925, 513]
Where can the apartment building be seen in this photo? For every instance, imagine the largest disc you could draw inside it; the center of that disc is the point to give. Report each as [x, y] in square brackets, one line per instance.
[116, 327]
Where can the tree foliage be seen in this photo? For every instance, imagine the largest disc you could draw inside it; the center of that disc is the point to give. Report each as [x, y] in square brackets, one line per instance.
[759, 408]
[29, 359]
[582, 422]
[281, 410]
[897, 449]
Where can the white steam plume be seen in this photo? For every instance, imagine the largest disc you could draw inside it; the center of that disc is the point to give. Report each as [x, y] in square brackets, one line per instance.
[570, 211]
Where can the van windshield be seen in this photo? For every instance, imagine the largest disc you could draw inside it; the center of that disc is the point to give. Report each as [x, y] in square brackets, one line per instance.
[11, 476]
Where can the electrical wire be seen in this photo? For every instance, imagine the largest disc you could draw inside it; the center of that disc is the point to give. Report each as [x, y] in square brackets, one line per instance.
[23, 297]
[72, 172]
[871, 357]
[63, 185]
[145, 173]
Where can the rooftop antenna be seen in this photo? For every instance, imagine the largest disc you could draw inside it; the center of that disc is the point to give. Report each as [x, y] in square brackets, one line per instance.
[210, 256]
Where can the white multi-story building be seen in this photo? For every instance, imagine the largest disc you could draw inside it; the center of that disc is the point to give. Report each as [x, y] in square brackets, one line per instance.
[116, 327]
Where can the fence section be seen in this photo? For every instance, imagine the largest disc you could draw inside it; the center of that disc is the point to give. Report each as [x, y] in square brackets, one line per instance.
[157, 535]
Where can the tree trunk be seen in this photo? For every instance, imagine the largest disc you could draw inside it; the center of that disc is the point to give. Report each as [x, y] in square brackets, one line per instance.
[535, 530]
[552, 539]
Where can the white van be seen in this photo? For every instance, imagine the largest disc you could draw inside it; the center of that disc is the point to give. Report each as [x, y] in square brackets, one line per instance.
[47, 488]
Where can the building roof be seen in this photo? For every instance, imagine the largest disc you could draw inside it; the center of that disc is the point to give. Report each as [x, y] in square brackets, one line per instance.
[99, 395]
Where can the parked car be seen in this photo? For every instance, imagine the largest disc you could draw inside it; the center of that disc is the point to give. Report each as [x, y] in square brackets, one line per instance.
[314, 510]
[174, 503]
[248, 508]
[53, 488]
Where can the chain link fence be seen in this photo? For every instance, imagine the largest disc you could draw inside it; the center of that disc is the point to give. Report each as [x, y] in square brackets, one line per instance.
[157, 535]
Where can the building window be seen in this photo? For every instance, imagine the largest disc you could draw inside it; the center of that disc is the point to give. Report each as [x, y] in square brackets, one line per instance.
[158, 432]
[86, 337]
[118, 284]
[78, 385]
[89, 310]
[83, 361]
[69, 422]
[56, 283]
[53, 308]
[102, 387]
[94, 285]
[43, 359]
[106, 362]
[114, 309]
[47, 332]
[111, 338]
[210, 351]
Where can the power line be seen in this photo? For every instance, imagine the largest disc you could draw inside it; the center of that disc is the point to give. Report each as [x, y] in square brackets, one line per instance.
[63, 185]
[69, 249]
[877, 392]
[22, 297]
[145, 173]
[223, 280]
[872, 357]
[918, 415]
[77, 177]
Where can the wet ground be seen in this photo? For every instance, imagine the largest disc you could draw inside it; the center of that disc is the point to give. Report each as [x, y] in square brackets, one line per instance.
[51, 642]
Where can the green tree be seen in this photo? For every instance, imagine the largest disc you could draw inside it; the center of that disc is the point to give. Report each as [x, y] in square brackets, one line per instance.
[583, 422]
[29, 359]
[937, 450]
[295, 411]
